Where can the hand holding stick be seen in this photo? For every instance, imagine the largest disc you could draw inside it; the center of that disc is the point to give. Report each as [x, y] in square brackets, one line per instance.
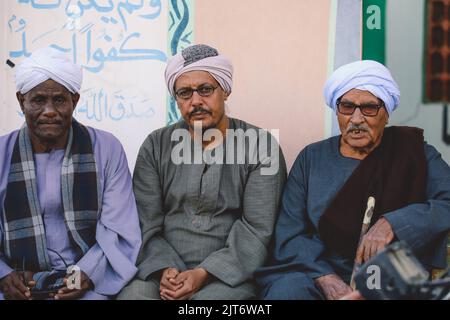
[364, 228]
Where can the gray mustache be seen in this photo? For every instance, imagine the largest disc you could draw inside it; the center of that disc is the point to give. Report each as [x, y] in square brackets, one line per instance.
[359, 127]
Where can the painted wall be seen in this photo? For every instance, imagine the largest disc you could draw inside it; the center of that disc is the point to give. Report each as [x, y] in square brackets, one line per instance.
[345, 31]
[280, 54]
[118, 45]
[404, 54]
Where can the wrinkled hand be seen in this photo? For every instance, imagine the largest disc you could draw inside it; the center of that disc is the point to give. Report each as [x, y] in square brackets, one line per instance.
[378, 236]
[189, 282]
[16, 285]
[332, 286]
[71, 294]
[167, 277]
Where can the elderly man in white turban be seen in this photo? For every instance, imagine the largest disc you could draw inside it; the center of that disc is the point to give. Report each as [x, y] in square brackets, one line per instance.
[317, 237]
[66, 194]
[206, 225]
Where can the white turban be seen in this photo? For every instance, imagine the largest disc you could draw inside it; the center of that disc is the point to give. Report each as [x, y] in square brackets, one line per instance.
[200, 57]
[365, 75]
[48, 63]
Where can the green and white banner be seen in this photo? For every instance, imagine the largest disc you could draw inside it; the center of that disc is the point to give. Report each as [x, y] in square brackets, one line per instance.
[374, 30]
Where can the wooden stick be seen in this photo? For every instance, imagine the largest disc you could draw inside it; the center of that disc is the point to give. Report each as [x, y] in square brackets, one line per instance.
[364, 228]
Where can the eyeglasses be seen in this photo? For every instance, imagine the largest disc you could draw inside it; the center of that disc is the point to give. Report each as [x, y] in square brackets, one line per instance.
[368, 109]
[204, 90]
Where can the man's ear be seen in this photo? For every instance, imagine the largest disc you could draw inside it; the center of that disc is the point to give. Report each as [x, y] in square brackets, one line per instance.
[20, 98]
[75, 98]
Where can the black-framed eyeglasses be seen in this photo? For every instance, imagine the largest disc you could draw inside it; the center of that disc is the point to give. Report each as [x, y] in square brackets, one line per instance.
[205, 90]
[368, 109]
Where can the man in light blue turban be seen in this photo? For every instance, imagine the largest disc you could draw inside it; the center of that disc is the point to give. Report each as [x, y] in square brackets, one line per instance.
[318, 237]
[367, 75]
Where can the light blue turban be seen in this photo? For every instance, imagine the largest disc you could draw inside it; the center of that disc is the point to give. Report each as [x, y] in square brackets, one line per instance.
[365, 75]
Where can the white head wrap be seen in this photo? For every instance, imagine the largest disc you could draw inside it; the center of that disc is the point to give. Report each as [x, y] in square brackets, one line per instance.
[365, 75]
[48, 63]
[200, 57]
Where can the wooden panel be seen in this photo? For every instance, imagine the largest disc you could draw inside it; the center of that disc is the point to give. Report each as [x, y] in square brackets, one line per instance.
[437, 59]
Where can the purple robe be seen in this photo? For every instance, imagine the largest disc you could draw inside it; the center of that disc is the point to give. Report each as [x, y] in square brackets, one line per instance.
[110, 263]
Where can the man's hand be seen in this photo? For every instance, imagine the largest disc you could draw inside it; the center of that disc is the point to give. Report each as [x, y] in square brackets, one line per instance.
[167, 281]
[190, 282]
[16, 285]
[374, 240]
[71, 294]
[332, 286]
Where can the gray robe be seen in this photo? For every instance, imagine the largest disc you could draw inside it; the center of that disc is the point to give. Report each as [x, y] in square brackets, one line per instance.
[219, 217]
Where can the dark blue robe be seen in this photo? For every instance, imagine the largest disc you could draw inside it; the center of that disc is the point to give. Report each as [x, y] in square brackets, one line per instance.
[299, 255]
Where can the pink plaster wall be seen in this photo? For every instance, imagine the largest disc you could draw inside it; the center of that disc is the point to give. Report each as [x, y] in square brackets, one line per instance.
[279, 50]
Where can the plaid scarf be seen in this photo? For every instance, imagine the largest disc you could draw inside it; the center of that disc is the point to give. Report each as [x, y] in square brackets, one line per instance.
[24, 239]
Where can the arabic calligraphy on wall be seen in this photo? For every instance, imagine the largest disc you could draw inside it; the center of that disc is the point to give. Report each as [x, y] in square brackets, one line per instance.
[122, 46]
[97, 34]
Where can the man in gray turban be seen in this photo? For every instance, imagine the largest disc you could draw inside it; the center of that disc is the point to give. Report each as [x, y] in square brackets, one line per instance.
[386, 178]
[207, 214]
[66, 199]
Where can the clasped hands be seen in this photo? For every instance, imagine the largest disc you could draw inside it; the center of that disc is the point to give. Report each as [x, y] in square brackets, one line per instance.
[176, 285]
